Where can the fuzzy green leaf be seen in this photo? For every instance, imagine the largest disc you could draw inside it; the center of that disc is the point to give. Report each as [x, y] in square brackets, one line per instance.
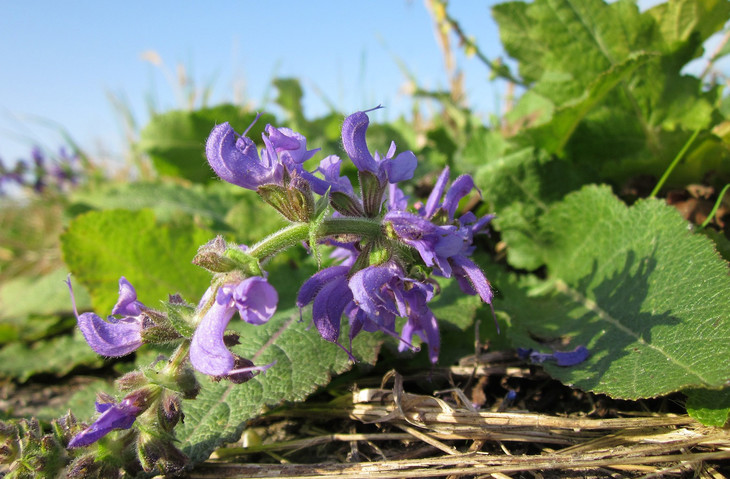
[101, 246]
[634, 285]
[168, 201]
[304, 362]
[553, 135]
[56, 356]
[710, 407]
[520, 187]
[176, 140]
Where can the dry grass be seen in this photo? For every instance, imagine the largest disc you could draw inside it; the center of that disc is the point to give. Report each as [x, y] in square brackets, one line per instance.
[414, 435]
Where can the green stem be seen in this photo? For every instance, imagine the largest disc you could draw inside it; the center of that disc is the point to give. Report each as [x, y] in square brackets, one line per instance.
[178, 357]
[679, 156]
[714, 208]
[295, 233]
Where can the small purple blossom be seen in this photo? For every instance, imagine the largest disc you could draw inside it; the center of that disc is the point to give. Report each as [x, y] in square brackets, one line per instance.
[113, 416]
[236, 160]
[114, 337]
[392, 169]
[561, 358]
[421, 322]
[460, 187]
[435, 244]
[328, 291]
[254, 299]
[329, 167]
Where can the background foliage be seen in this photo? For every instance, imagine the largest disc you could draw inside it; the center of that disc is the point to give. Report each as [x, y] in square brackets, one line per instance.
[580, 253]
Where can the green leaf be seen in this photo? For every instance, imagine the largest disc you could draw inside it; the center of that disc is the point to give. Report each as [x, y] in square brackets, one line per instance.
[31, 307]
[304, 362]
[175, 141]
[554, 135]
[710, 407]
[57, 356]
[562, 47]
[20, 297]
[579, 39]
[645, 295]
[679, 19]
[169, 201]
[101, 246]
[520, 187]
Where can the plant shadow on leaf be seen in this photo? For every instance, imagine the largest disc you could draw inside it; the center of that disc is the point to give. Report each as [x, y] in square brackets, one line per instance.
[628, 344]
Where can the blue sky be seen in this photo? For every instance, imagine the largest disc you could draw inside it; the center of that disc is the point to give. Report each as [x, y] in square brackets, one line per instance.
[61, 59]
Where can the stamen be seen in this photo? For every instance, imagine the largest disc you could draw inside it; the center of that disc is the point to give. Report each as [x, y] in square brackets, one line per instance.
[258, 115]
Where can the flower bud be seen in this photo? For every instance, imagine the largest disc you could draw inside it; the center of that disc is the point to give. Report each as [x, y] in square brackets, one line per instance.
[345, 204]
[170, 411]
[129, 382]
[160, 455]
[211, 256]
[372, 191]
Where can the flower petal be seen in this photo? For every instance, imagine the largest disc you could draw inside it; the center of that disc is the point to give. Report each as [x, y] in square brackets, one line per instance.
[434, 199]
[353, 140]
[328, 307]
[255, 300]
[115, 416]
[465, 269]
[127, 303]
[459, 189]
[313, 285]
[236, 160]
[401, 167]
[290, 145]
[208, 352]
[111, 339]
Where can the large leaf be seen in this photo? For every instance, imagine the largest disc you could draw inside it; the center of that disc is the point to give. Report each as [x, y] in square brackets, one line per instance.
[644, 294]
[101, 246]
[304, 362]
[553, 135]
[31, 307]
[520, 187]
[562, 47]
[176, 140]
[168, 201]
[58, 356]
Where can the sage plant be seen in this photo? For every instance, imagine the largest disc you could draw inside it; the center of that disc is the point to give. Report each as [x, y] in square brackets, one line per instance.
[387, 255]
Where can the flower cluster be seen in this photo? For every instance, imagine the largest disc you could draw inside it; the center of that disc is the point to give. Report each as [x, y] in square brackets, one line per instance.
[387, 254]
[380, 278]
[60, 172]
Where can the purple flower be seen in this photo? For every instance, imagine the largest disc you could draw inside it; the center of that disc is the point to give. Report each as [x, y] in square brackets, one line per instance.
[393, 170]
[459, 189]
[254, 299]
[372, 299]
[114, 337]
[561, 358]
[236, 160]
[447, 261]
[329, 167]
[113, 416]
[435, 244]
[397, 200]
[421, 322]
[329, 292]
[288, 145]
